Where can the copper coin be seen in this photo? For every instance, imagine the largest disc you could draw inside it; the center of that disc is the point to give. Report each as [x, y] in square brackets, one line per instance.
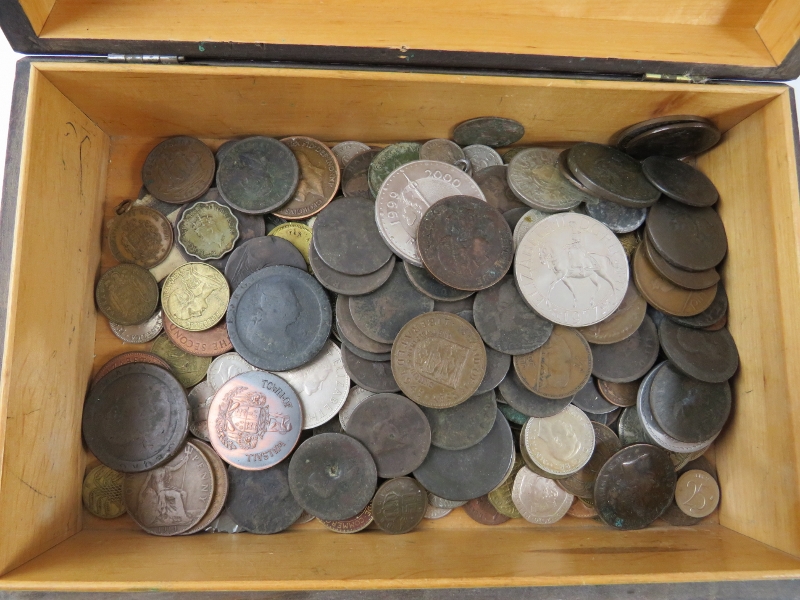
[350, 285]
[629, 359]
[399, 505]
[220, 493]
[262, 501]
[679, 181]
[497, 365]
[563, 167]
[716, 311]
[352, 525]
[351, 332]
[355, 180]
[620, 324]
[260, 252]
[394, 430]
[621, 138]
[142, 236]
[581, 510]
[591, 401]
[619, 394]
[663, 294]
[481, 511]
[333, 476]
[438, 360]
[426, 283]
[606, 445]
[691, 280]
[465, 243]
[718, 325]
[127, 358]
[514, 216]
[211, 342]
[462, 426]
[527, 402]
[319, 178]
[375, 376]
[558, 369]
[675, 140]
[493, 182]
[370, 356]
[179, 170]
[127, 294]
[709, 356]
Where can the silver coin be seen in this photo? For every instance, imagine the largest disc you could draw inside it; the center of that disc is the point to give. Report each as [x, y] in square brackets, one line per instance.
[408, 192]
[444, 151]
[572, 270]
[440, 502]
[347, 151]
[139, 334]
[534, 177]
[200, 397]
[539, 500]
[696, 493]
[226, 367]
[524, 225]
[355, 396]
[481, 156]
[433, 512]
[322, 385]
[561, 444]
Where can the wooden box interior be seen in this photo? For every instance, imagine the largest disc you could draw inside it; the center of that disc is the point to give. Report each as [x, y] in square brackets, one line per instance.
[88, 128]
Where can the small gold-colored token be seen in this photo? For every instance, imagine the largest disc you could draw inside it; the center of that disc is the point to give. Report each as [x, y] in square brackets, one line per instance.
[500, 497]
[141, 236]
[127, 294]
[298, 234]
[629, 242]
[102, 493]
[195, 296]
[187, 368]
[208, 230]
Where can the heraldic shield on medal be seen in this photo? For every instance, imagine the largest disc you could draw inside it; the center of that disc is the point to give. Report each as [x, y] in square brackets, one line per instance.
[244, 418]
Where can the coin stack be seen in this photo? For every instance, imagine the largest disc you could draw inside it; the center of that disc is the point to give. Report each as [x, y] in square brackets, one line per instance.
[530, 335]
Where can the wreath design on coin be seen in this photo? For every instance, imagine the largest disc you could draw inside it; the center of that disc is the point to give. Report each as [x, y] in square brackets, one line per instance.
[244, 419]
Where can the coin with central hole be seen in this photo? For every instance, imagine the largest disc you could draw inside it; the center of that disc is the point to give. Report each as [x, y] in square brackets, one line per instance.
[561, 444]
[629, 359]
[709, 356]
[534, 177]
[527, 402]
[127, 294]
[606, 445]
[332, 476]
[493, 182]
[679, 181]
[195, 296]
[319, 178]
[375, 376]
[399, 505]
[140, 235]
[179, 170]
[462, 426]
[260, 252]
[261, 501]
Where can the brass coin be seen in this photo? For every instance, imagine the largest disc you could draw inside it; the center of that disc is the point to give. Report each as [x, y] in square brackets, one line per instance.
[619, 394]
[141, 236]
[629, 242]
[195, 296]
[558, 369]
[179, 170]
[127, 358]
[622, 323]
[319, 178]
[500, 497]
[663, 294]
[211, 342]
[298, 234]
[481, 511]
[207, 230]
[438, 360]
[102, 492]
[352, 525]
[187, 368]
[220, 493]
[127, 294]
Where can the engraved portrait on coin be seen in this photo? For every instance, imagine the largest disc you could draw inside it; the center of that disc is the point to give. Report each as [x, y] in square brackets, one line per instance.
[195, 296]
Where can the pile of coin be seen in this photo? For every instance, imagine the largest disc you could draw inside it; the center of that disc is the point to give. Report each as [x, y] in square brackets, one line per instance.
[530, 335]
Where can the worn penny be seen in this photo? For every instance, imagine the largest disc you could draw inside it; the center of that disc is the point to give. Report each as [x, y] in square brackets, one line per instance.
[351, 332]
[319, 178]
[399, 505]
[188, 368]
[349, 285]
[195, 296]
[140, 235]
[355, 397]
[220, 494]
[680, 181]
[717, 310]
[497, 366]
[527, 402]
[139, 334]
[491, 131]
[255, 254]
[623, 137]
[127, 294]
[675, 140]
[629, 359]
[375, 376]
[687, 237]
[563, 167]
[127, 358]
[535, 179]
[211, 342]
[463, 425]
[261, 501]
[591, 401]
[709, 356]
[559, 368]
[539, 499]
[179, 170]
[622, 323]
[692, 280]
[352, 525]
[481, 511]
[355, 175]
[102, 492]
[619, 394]
[426, 283]
[493, 182]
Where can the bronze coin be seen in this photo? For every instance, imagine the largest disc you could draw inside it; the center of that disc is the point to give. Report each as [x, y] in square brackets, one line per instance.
[394, 430]
[260, 252]
[353, 525]
[663, 294]
[399, 505]
[621, 138]
[619, 394]
[141, 236]
[620, 324]
[718, 325]
[319, 178]
[179, 170]
[188, 368]
[211, 342]
[350, 285]
[465, 243]
[438, 360]
[493, 182]
[262, 501]
[512, 415]
[591, 401]
[679, 181]
[426, 283]
[355, 177]
[558, 369]
[711, 315]
[563, 167]
[514, 216]
[629, 359]
[456, 306]
[383, 313]
[127, 294]
[675, 140]
[220, 493]
[606, 445]
[462, 426]
[691, 280]
[677, 518]
[527, 402]
[481, 511]
[351, 332]
[127, 358]
[709, 356]
[370, 356]
[581, 510]
[634, 487]
[497, 365]
[375, 376]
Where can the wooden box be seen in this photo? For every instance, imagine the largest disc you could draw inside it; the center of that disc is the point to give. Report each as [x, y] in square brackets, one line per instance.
[81, 129]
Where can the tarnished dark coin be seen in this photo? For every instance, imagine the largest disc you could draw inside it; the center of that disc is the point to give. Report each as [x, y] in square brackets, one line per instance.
[465, 243]
[350, 285]
[606, 445]
[140, 235]
[608, 419]
[688, 237]
[493, 182]
[319, 178]
[611, 175]
[506, 322]
[399, 505]
[351, 332]
[559, 368]
[563, 167]
[691, 280]
[207, 230]
[394, 430]
[497, 365]
[127, 294]
[589, 400]
[686, 409]
[375, 376]
[621, 138]
[490, 131]
[347, 239]
[258, 175]
[475, 471]
[297, 234]
[200, 397]
[262, 501]
[619, 394]
[527, 402]
[677, 518]
[442, 150]
[455, 306]
[481, 511]
[387, 160]
[260, 252]
[279, 318]
[514, 216]
[178, 170]
[629, 359]
[332, 476]
[355, 177]
[347, 151]
[383, 313]
[352, 525]
[631, 429]
[713, 313]
[679, 181]
[714, 327]
[221, 484]
[136, 418]
[534, 177]
[223, 150]
[371, 356]
[127, 358]
[615, 216]
[634, 487]
[709, 356]
[620, 324]
[676, 140]
[270, 223]
[211, 342]
[512, 415]
[426, 283]
[465, 425]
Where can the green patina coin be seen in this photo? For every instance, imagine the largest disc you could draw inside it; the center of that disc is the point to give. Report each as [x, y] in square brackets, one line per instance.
[208, 230]
[387, 160]
[489, 131]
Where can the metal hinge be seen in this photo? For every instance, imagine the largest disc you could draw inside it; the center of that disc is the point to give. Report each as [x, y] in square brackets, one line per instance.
[160, 59]
[674, 78]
